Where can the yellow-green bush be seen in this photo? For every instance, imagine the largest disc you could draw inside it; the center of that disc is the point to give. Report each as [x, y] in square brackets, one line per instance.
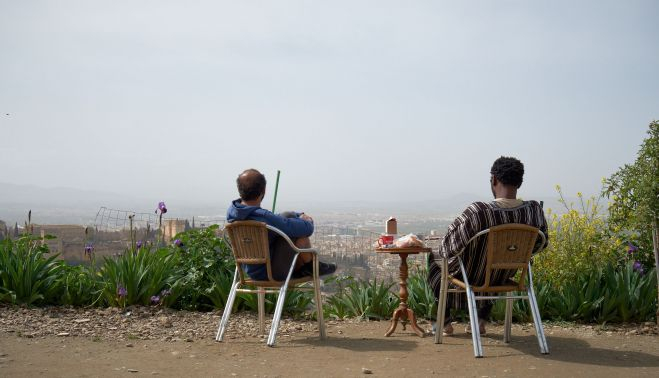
[579, 240]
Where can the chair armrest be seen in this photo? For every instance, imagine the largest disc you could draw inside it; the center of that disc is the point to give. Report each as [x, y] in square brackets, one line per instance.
[290, 242]
[543, 245]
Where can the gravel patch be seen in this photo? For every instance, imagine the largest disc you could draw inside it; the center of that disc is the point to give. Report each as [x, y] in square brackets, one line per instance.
[165, 324]
[135, 323]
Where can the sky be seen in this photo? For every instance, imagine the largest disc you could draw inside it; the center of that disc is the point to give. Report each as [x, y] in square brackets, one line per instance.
[352, 100]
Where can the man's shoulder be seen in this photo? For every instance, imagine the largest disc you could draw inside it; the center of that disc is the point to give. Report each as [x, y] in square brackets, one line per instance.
[532, 202]
[479, 206]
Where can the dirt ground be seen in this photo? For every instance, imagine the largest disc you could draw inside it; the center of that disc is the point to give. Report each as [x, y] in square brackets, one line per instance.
[353, 349]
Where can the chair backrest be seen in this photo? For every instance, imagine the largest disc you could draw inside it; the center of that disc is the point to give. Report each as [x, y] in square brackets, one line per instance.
[509, 248]
[249, 243]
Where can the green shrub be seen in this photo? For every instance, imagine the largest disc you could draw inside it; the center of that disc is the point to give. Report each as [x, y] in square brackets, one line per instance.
[578, 240]
[207, 269]
[26, 275]
[634, 194]
[80, 286]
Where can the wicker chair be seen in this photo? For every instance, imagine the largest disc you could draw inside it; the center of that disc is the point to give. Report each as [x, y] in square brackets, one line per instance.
[509, 247]
[249, 243]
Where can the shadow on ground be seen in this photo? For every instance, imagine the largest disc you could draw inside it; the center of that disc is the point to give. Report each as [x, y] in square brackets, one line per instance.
[360, 344]
[569, 349]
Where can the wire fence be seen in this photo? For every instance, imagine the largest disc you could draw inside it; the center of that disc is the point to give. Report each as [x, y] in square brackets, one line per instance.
[112, 220]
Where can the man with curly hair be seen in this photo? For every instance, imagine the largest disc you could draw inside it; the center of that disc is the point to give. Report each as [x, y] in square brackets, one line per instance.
[506, 176]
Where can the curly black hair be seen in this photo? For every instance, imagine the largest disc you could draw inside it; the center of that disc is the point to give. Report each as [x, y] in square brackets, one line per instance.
[251, 184]
[508, 170]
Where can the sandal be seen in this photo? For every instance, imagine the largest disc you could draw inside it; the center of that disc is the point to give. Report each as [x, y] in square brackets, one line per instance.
[481, 328]
[447, 331]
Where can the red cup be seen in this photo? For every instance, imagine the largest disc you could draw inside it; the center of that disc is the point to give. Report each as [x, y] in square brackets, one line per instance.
[385, 240]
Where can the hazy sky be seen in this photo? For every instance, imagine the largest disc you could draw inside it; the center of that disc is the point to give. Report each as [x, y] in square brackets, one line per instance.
[351, 100]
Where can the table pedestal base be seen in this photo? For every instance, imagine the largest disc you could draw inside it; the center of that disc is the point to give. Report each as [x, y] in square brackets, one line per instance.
[404, 315]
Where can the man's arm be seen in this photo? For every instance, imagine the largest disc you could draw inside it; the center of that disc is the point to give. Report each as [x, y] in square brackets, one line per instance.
[294, 227]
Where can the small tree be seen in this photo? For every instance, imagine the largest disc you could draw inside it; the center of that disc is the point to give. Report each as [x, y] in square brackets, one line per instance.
[634, 191]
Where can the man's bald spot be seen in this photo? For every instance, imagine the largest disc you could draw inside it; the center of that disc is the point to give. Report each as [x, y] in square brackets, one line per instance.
[251, 184]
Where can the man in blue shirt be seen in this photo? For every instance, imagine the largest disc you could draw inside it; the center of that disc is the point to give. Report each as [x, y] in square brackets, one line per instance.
[298, 226]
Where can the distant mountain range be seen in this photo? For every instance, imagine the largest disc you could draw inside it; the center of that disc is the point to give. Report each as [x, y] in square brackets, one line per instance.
[54, 205]
[75, 206]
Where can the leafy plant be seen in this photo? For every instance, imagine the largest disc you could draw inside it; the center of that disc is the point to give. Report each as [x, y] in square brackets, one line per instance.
[26, 275]
[79, 286]
[634, 191]
[207, 268]
[578, 240]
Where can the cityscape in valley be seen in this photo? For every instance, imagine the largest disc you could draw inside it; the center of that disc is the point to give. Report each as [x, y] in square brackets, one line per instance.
[347, 239]
[345, 233]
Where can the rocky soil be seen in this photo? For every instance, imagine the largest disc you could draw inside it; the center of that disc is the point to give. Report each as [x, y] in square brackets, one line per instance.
[164, 324]
[74, 342]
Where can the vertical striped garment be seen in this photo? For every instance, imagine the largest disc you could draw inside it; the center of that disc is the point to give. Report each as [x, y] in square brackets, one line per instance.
[478, 217]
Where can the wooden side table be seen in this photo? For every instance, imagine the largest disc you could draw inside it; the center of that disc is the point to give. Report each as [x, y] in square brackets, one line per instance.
[402, 313]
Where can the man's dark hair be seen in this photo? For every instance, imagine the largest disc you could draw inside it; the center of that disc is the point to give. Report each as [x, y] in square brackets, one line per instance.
[251, 184]
[508, 170]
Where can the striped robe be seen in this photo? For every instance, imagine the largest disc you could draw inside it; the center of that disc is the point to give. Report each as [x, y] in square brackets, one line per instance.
[477, 217]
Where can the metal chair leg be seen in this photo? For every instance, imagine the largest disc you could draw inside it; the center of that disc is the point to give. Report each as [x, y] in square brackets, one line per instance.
[473, 315]
[508, 319]
[537, 319]
[221, 329]
[280, 305]
[318, 298]
[441, 305]
[475, 326]
[261, 295]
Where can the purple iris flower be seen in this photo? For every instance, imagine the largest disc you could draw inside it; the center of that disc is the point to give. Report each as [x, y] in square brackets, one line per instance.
[155, 299]
[138, 244]
[161, 207]
[631, 249]
[638, 267]
[121, 291]
[165, 293]
[89, 248]
[178, 243]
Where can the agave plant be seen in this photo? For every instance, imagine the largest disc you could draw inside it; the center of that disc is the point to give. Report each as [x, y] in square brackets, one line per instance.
[363, 299]
[631, 294]
[421, 297]
[26, 275]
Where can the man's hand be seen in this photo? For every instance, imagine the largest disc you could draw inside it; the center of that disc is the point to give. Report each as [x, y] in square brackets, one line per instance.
[306, 217]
